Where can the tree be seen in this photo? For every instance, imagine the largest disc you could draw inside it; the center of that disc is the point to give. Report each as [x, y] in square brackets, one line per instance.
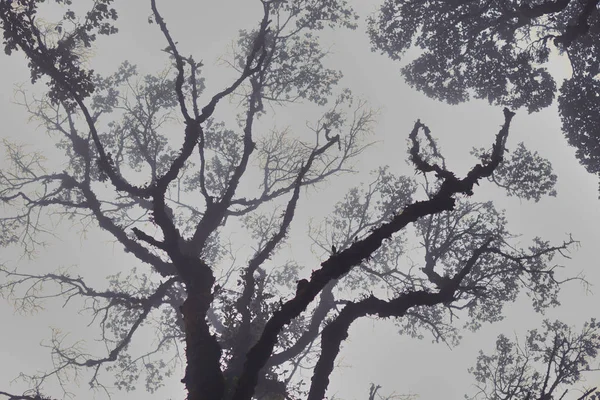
[149, 154]
[541, 366]
[501, 51]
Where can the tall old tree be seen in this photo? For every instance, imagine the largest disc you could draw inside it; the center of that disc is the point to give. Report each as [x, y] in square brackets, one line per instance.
[499, 51]
[148, 161]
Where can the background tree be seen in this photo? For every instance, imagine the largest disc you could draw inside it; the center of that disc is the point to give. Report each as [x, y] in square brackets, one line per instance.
[501, 51]
[247, 331]
[542, 366]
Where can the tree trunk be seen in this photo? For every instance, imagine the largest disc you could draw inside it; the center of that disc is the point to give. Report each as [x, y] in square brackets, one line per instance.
[203, 376]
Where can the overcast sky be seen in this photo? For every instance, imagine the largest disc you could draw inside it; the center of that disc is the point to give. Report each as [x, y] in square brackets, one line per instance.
[373, 352]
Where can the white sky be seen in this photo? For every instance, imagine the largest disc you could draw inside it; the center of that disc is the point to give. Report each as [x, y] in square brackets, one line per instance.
[374, 352]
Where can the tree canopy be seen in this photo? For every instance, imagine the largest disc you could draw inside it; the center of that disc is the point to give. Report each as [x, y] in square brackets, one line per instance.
[500, 51]
[149, 160]
[539, 366]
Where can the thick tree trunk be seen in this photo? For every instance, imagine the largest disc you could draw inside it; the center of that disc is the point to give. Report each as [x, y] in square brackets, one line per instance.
[203, 376]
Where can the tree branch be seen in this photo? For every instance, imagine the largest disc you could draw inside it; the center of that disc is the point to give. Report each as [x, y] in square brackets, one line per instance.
[178, 61]
[341, 263]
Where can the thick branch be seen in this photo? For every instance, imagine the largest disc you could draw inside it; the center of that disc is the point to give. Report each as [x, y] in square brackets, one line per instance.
[337, 331]
[22, 397]
[545, 8]
[326, 304]
[340, 263]
[142, 253]
[580, 28]
[243, 340]
[215, 212]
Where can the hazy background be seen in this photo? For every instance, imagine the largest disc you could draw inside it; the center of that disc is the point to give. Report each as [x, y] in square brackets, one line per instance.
[373, 352]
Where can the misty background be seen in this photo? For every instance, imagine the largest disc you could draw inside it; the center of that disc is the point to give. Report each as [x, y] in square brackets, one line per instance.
[374, 352]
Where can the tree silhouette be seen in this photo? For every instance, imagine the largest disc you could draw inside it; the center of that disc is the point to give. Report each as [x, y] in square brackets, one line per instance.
[541, 367]
[148, 161]
[500, 51]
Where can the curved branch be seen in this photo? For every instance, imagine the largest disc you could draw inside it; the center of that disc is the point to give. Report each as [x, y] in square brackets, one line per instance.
[325, 305]
[143, 254]
[178, 61]
[341, 263]
[243, 340]
[337, 331]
